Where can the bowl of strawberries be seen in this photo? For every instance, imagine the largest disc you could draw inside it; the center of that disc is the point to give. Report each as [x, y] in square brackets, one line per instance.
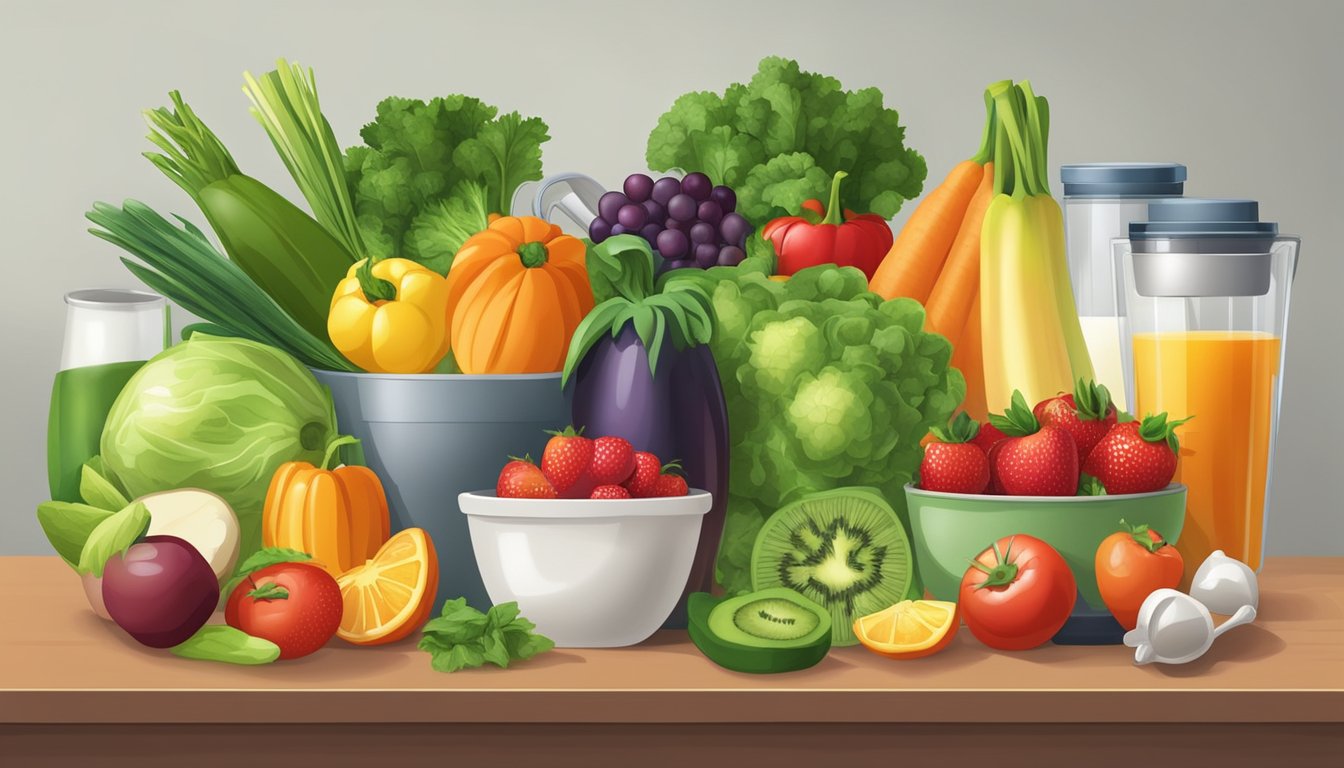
[1066, 471]
[594, 543]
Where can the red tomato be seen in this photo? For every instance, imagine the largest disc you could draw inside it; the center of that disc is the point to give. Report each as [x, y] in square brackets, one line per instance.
[1018, 593]
[1131, 565]
[297, 606]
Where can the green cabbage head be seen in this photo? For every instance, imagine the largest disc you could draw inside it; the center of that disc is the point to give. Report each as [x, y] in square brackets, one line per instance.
[220, 414]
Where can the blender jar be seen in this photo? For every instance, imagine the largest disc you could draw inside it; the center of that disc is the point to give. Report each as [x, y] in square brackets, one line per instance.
[1205, 292]
[1100, 200]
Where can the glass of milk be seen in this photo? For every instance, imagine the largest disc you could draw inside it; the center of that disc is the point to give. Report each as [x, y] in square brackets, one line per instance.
[1100, 200]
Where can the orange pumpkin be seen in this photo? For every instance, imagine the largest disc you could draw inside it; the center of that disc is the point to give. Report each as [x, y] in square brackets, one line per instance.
[339, 516]
[516, 292]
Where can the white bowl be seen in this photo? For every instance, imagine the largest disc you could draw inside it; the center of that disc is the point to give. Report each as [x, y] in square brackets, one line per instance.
[589, 573]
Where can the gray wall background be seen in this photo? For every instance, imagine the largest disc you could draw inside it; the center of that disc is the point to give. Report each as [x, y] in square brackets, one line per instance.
[1248, 95]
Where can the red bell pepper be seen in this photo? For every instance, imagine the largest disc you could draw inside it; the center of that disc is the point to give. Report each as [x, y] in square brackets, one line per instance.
[817, 236]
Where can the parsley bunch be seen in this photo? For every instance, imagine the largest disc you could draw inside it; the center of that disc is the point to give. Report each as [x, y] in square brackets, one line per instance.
[463, 637]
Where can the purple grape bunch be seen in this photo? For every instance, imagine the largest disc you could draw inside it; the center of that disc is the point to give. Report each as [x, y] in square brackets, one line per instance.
[690, 222]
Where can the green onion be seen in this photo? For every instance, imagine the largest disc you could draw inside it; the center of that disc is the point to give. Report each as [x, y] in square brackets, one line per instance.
[285, 102]
[181, 264]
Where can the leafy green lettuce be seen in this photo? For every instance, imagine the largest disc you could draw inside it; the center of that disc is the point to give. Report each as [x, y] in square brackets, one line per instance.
[779, 139]
[448, 156]
[827, 386]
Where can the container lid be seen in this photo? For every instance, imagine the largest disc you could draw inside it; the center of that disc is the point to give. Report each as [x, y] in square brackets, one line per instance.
[1192, 218]
[1123, 179]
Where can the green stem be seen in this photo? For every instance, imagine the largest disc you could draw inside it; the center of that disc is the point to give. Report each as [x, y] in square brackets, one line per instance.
[334, 447]
[1140, 535]
[1037, 123]
[834, 213]
[532, 254]
[1010, 117]
[987, 138]
[375, 289]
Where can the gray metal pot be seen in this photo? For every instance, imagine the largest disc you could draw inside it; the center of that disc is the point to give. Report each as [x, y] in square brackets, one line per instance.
[430, 437]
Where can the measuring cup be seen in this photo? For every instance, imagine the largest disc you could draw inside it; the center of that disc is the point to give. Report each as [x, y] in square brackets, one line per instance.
[1175, 628]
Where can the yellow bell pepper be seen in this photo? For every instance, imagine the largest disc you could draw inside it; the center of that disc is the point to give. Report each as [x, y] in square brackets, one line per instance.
[399, 324]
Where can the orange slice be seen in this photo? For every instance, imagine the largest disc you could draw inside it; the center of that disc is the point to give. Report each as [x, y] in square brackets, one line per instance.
[391, 595]
[909, 629]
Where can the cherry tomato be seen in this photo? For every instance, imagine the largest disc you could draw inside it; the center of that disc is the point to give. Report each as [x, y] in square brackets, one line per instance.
[1131, 565]
[297, 606]
[1017, 594]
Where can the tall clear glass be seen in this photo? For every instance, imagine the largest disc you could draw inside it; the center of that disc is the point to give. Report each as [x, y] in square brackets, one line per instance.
[1204, 336]
[109, 334]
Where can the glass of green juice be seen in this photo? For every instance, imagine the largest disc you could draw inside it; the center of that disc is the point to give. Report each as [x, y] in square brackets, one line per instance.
[109, 334]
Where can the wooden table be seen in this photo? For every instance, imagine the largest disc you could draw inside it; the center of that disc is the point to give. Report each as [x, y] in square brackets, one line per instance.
[73, 687]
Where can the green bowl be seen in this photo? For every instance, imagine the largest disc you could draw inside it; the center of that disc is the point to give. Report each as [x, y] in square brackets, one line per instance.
[953, 528]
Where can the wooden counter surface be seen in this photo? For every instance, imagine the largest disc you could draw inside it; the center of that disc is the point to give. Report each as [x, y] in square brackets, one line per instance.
[64, 671]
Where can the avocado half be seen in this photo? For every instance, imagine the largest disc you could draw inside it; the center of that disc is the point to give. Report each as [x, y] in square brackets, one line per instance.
[716, 626]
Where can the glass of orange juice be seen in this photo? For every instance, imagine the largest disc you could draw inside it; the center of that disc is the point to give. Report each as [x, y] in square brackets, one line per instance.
[1204, 286]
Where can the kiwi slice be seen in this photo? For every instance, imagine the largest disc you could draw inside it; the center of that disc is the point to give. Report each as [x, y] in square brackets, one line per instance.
[774, 630]
[844, 549]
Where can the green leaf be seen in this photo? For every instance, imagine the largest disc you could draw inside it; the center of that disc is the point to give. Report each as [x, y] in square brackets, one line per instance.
[622, 265]
[595, 325]
[113, 536]
[98, 492]
[222, 643]
[962, 429]
[439, 232]
[781, 186]
[463, 637]
[263, 558]
[1090, 486]
[493, 649]
[269, 591]
[502, 615]
[68, 526]
[1018, 420]
[1093, 400]
[504, 154]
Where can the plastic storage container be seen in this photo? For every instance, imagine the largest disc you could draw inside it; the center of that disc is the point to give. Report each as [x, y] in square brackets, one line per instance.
[1100, 200]
[1206, 288]
[431, 437]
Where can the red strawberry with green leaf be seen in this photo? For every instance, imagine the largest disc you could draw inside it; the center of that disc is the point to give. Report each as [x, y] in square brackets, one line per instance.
[644, 482]
[952, 462]
[521, 479]
[1136, 456]
[567, 462]
[1033, 460]
[670, 484]
[613, 461]
[1087, 414]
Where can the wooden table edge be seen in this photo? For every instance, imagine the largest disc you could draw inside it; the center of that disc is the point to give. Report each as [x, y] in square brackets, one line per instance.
[310, 706]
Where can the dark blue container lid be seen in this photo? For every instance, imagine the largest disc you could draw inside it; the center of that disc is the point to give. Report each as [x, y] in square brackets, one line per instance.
[1123, 179]
[1193, 217]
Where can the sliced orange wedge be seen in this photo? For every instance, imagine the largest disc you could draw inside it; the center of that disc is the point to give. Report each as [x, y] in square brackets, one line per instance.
[909, 629]
[391, 595]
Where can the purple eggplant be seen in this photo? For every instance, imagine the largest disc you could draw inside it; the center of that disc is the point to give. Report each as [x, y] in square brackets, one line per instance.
[641, 369]
[677, 413]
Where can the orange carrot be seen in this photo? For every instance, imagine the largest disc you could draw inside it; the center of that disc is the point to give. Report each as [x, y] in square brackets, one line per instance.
[959, 283]
[912, 265]
[966, 357]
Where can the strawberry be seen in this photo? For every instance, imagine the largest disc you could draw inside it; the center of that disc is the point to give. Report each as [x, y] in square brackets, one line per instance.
[609, 492]
[643, 482]
[995, 486]
[1087, 414]
[1033, 460]
[953, 463]
[521, 479]
[1136, 456]
[613, 461]
[987, 437]
[671, 485]
[566, 462]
